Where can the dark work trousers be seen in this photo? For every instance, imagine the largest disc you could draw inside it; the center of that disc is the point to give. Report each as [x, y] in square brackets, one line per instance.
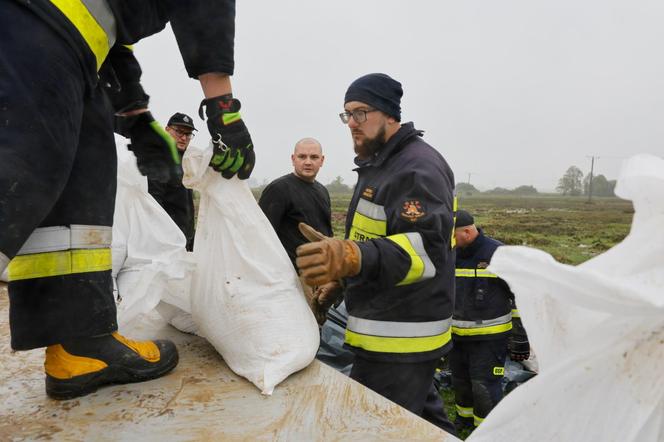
[407, 384]
[477, 373]
[57, 168]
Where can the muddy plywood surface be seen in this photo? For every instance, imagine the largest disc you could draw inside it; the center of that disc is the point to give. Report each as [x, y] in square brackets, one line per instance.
[202, 399]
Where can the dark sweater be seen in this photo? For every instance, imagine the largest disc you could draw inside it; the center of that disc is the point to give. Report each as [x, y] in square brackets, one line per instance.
[178, 202]
[289, 200]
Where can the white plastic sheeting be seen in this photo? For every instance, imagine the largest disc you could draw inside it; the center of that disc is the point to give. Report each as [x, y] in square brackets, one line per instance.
[246, 297]
[598, 330]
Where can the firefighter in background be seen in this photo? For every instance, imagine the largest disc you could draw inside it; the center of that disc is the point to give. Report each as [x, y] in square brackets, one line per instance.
[58, 168]
[397, 262]
[485, 324]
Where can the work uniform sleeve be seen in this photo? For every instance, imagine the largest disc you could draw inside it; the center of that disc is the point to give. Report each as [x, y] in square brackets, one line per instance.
[205, 33]
[518, 330]
[419, 215]
[273, 204]
[121, 77]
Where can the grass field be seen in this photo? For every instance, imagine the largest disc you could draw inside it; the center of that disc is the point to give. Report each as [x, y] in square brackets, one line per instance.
[568, 228]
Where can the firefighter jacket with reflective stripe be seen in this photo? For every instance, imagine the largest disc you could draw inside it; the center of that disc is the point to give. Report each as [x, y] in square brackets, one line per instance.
[401, 216]
[205, 30]
[483, 306]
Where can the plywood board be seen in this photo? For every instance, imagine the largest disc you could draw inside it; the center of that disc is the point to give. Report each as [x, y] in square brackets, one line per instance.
[202, 399]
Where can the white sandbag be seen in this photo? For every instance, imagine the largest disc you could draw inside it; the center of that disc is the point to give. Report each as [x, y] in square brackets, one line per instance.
[598, 329]
[246, 296]
[150, 262]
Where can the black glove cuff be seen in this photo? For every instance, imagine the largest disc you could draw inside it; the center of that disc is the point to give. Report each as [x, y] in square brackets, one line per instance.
[223, 104]
[126, 125]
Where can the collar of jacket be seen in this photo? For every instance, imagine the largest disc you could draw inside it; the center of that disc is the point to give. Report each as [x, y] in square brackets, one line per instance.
[394, 144]
[471, 249]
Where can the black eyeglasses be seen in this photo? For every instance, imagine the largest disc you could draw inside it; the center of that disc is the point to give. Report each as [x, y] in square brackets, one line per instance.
[359, 115]
[181, 133]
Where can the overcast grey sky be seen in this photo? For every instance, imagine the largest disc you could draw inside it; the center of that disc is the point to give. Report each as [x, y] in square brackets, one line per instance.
[510, 91]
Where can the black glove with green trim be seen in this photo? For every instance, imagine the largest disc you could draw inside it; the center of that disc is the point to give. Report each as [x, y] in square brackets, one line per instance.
[157, 156]
[233, 151]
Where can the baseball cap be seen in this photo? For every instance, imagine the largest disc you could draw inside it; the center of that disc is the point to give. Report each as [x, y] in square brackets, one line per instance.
[179, 119]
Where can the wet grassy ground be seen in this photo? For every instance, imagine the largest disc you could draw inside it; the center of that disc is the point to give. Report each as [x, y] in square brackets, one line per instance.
[569, 228]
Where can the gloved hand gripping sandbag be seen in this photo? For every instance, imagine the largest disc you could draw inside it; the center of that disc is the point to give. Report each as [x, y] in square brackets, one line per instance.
[326, 259]
[157, 156]
[233, 150]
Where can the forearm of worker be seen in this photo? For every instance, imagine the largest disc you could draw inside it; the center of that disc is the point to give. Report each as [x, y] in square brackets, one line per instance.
[215, 84]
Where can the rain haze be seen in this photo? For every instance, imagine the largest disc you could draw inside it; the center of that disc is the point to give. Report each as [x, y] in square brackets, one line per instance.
[511, 92]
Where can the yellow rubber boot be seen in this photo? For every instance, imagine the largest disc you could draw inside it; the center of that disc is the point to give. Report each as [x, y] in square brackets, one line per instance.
[81, 366]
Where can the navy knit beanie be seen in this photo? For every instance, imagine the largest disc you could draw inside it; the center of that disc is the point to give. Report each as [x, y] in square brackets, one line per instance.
[378, 90]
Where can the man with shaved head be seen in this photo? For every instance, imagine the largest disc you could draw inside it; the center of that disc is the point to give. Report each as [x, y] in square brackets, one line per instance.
[297, 197]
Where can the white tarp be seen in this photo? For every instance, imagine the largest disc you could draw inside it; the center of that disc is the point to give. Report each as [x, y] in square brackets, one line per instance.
[246, 297]
[598, 330]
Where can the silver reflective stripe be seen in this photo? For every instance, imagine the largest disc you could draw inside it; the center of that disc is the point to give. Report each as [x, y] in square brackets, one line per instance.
[78, 236]
[102, 13]
[4, 262]
[483, 322]
[371, 210]
[398, 329]
[416, 241]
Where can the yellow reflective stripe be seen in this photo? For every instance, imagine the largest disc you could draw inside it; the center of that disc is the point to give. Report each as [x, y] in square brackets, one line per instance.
[381, 344]
[499, 371]
[464, 411]
[464, 273]
[43, 265]
[416, 264]
[474, 273]
[491, 330]
[515, 313]
[369, 225]
[455, 206]
[477, 420]
[93, 34]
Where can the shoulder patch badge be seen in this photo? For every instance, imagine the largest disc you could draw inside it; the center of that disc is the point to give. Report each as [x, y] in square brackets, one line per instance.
[368, 193]
[412, 210]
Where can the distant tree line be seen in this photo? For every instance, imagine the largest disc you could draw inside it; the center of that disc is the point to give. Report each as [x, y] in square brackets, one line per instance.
[337, 186]
[466, 189]
[573, 183]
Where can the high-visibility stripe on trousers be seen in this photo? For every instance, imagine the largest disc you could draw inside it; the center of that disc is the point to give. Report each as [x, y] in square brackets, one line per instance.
[62, 250]
[397, 337]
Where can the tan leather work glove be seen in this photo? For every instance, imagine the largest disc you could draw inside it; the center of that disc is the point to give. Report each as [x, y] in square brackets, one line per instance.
[326, 259]
[323, 298]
